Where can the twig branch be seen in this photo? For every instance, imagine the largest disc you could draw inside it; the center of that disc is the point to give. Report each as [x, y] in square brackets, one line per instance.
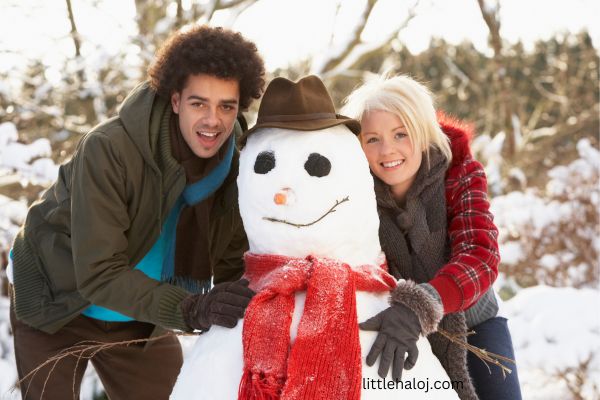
[331, 210]
[482, 354]
[86, 350]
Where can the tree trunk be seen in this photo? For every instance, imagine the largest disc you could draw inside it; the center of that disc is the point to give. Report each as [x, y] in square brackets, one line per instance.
[501, 79]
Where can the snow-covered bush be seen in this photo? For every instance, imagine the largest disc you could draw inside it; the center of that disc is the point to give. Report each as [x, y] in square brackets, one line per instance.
[25, 164]
[8, 372]
[30, 163]
[555, 334]
[551, 237]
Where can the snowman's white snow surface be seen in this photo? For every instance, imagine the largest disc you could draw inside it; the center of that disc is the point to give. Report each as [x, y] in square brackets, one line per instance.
[213, 368]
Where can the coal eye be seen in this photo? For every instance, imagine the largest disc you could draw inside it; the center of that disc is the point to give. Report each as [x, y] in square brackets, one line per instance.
[265, 161]
[317, 165]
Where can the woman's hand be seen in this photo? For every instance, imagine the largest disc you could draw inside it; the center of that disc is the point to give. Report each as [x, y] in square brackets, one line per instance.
[399, 329]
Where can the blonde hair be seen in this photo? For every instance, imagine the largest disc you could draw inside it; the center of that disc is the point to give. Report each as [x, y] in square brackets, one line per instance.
[410, 101]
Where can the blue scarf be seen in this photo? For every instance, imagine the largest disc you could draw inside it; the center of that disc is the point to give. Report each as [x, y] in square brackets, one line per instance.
[192, 195]
[159, 262]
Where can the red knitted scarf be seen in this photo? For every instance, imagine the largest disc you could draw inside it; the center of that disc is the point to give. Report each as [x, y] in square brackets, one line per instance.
[325, 360]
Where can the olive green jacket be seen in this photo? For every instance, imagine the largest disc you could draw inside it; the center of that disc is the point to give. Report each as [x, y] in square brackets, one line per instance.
[81, 240]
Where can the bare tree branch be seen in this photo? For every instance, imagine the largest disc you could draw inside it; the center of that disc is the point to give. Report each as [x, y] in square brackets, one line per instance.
[491, 20]
[179, 15]
[336, 59]
[360, 52]
[338, 7]
[74, 32]
[229, 4]
[490, 16]
[235, 9]
[212, 7]
[235, 6]
[549, 95]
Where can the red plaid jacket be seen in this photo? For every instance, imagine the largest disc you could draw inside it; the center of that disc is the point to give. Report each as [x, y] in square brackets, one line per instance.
[474, 258]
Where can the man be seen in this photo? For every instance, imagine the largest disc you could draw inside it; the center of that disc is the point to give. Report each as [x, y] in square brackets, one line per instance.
[125, 243]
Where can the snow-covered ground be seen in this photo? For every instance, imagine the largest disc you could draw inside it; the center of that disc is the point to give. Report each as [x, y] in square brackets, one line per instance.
[553, 329]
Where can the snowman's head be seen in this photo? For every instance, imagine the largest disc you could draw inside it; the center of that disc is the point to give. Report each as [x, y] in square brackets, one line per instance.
[308, 192]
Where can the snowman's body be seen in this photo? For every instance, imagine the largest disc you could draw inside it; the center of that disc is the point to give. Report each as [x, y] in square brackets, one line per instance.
[307, 173]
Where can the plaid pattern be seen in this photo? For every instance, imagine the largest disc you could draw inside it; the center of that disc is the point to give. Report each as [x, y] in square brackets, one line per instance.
[474, 257]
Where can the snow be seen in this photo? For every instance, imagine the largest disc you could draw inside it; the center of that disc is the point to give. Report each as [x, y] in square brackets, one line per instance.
[517, 209]
[554, 329]
[349, 177]
[549, 228]
[586, 168]
[512, 253]
[12, 215]
[8, 372]
[518, 134]
[349, 234]
[549, 261]
[489, 152]
[32, 161]
[490, 7]
[8, 134]
[519, 175]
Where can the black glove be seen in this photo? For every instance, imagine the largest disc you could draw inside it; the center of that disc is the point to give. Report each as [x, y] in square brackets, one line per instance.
[223, 305]
[399, 329]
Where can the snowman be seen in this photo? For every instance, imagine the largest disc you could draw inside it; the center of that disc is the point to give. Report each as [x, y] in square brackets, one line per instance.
[308, 206]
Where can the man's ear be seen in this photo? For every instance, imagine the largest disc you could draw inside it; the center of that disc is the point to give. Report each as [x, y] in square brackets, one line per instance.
[175, 100]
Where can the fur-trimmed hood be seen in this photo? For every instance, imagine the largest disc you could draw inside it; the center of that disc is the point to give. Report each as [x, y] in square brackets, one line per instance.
[460, 134]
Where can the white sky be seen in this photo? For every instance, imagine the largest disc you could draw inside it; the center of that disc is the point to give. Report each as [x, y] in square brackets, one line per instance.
[287, 30]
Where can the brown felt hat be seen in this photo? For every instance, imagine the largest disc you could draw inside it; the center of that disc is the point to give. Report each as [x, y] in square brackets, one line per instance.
[304, 105]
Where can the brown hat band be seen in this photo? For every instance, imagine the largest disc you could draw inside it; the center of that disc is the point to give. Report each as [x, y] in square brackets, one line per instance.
[295, 117]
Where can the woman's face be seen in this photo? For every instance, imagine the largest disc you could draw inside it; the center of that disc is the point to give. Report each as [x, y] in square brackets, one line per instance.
[389, 150]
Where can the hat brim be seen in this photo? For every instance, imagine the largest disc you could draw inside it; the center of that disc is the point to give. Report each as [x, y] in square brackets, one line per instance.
[310, 125]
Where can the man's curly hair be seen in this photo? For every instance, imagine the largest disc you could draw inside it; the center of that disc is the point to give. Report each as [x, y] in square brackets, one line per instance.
[213, 51]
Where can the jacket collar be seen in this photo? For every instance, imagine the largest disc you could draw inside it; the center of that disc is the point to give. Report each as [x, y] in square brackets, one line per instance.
[460, 135]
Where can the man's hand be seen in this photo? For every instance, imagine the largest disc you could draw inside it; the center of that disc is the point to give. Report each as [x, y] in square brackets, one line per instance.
[399, 329]
[224, 305]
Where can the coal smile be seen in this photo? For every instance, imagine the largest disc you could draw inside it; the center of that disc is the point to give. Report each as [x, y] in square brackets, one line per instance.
[331, 210]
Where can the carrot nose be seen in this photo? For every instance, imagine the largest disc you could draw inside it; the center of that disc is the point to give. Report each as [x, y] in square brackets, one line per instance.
[280, 198]
[284, 197]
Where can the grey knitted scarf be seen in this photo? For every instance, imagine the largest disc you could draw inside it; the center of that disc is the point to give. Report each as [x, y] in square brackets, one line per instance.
[414, 237]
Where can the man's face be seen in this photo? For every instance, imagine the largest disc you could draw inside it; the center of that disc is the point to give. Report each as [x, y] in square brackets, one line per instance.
[207, 108]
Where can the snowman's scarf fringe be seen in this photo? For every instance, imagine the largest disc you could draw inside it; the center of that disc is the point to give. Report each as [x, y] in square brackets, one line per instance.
[258, 386]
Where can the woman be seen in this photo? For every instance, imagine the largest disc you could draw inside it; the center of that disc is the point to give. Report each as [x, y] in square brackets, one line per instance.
[436, 230]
